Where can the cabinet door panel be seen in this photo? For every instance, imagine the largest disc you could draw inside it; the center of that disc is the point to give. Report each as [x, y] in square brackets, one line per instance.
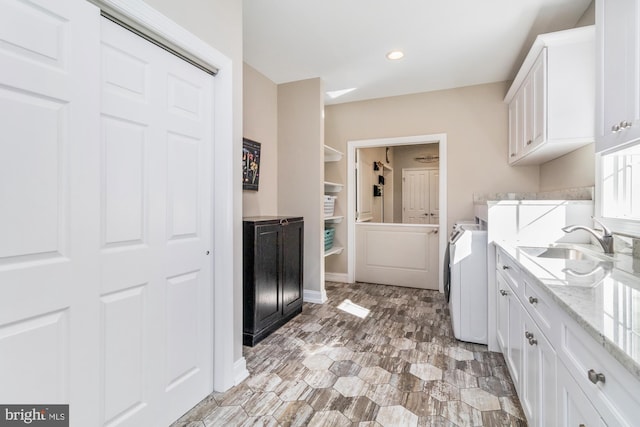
[619, 79]
[574, 407]
[538, 78]
[538, 396]
[502, 315]
[292, 266]
[515, 340]
[267, 275]
[514, 127]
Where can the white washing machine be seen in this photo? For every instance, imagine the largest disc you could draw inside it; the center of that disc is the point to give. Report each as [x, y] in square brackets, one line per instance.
[468, 283]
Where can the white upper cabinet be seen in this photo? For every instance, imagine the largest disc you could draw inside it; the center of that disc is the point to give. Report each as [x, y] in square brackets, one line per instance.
[552, 99]
[618, 73]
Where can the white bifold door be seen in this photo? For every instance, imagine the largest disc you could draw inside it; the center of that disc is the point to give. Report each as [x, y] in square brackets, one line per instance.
[105, 224]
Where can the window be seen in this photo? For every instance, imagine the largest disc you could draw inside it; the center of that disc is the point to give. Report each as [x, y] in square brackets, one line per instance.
[619, 190]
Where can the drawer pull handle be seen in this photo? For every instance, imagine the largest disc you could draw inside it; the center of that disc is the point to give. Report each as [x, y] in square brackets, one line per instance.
[505, 267]
[528, 334]
[284, 221]
[595, 377]
[503, 292]
[533, 341]
[582, 425]
[533, 300]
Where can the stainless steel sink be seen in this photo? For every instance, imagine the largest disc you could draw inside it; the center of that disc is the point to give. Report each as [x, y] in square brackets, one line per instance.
[558, 253]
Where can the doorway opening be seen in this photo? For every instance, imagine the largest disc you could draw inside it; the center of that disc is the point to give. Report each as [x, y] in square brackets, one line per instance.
[375, 211]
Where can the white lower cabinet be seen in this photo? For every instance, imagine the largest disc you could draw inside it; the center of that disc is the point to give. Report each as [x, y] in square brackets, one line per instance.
[554, 363]
[538, 378]
[574, 409]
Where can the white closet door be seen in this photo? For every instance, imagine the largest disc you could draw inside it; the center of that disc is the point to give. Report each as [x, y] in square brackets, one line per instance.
[156, 298]
[415, 196]
[49, 56]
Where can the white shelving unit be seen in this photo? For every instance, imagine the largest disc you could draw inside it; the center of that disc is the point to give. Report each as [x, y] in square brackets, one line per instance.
[333, 219]
[332, 187]
[332, 155]
[335, 250]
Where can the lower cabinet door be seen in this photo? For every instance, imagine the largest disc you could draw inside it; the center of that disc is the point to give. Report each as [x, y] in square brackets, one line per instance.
[502, 316]
[515, 339]
[292, 266]
[268, 304]
[574, 409]
[539, 371]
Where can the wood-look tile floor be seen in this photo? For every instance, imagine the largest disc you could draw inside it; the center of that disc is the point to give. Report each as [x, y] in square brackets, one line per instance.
[372, 355]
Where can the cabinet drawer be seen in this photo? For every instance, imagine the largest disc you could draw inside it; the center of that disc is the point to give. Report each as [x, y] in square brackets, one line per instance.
[605, 382]
[538, 306]
[509, 269]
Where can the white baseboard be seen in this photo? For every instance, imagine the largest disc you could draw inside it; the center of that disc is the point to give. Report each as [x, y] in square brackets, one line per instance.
[316, 297]
[336, 277]
[240, 372]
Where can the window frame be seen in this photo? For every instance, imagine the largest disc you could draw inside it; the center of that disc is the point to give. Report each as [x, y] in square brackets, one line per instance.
[627, 227]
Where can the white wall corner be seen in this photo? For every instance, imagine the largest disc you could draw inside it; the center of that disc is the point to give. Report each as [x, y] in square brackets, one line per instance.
[315, 297]
[240, 372]
[336, 277]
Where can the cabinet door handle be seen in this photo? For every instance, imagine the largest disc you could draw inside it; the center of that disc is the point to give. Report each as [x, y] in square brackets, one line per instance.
[529, 142]
[528, 335]
[512, 155]
[595, 377]
[505, 267]
[533, 300]
[532, 341]
[503, 292]
[615, 128]
[284, 221]
[625, 125]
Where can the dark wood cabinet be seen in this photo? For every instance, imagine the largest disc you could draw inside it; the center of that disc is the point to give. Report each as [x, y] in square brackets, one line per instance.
[272, 265]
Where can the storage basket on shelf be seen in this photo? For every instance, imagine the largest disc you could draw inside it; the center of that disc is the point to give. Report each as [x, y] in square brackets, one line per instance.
[329, 205]
[328, 238]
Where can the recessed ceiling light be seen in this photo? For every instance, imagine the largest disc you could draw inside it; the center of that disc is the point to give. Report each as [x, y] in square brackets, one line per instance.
[395, 55]
[336, 93]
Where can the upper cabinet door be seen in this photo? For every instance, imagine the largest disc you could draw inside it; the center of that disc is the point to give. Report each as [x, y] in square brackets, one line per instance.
[553, 96]
[618, 42]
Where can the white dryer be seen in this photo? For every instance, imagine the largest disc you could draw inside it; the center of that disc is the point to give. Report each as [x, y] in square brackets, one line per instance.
[468, 283]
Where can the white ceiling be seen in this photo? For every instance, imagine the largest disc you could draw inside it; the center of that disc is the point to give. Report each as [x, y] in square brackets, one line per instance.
[447, 43]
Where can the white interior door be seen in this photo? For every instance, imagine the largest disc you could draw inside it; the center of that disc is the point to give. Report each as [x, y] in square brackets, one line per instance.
[155, 232]
[397, 254]
[49, 217]
[434, 197]
[415, 196]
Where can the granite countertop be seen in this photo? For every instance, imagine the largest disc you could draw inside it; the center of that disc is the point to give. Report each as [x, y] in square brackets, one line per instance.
[601, 293]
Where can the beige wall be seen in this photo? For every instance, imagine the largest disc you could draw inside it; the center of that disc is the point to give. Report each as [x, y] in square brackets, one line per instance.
[575, 169]
[219, 23]
[475, 121]
[301, 170]
[260, 123]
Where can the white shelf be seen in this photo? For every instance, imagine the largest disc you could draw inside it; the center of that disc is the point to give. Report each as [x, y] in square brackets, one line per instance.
[333, 219]
[334, 250]
[331, 154]
[332, 187]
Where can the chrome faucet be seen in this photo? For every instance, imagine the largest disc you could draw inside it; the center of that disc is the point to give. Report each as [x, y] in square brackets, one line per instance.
[606, 240]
